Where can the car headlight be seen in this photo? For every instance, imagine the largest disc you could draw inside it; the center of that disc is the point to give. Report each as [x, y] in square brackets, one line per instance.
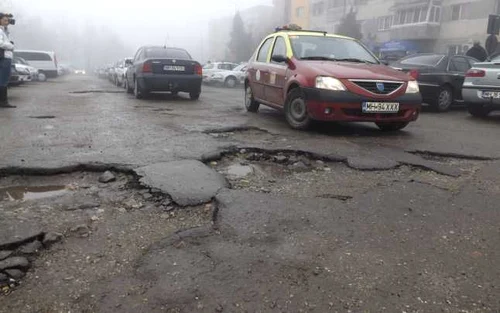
[412, 87]
[330, 83]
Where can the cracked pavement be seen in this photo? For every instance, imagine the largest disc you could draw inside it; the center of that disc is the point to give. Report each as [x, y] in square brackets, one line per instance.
[343, 218]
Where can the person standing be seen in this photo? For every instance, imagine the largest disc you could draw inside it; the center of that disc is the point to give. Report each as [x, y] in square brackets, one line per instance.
[6, 56]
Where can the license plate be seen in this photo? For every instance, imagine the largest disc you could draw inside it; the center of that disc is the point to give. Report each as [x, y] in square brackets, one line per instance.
[174, 68]
[380, 107]
[491, 94]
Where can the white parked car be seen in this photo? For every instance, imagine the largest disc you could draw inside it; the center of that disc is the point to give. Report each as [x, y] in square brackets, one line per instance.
[120, 71]
[212, 68]
[22, 65]
[231, 78]
[44, 61]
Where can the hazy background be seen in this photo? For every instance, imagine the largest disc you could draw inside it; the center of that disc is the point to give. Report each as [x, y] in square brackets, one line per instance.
[86, 32]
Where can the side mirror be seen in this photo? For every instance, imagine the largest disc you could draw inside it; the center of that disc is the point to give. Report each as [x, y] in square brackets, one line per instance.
[279, 58]
[385, 62]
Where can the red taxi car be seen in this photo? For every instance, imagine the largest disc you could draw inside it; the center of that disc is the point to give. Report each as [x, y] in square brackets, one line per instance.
[314, 75]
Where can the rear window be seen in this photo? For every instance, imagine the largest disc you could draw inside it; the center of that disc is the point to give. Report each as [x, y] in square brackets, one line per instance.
[431, 60]
[33, 56]
[167, 53]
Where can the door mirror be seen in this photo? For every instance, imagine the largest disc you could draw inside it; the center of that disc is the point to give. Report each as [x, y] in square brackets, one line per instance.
[385, 62]
[279, 58]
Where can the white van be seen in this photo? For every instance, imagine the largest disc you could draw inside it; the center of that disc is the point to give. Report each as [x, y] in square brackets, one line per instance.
[44, 61]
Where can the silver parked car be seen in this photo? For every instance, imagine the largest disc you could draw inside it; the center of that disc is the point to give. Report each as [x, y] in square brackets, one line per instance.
[481, 89]
[231, 78]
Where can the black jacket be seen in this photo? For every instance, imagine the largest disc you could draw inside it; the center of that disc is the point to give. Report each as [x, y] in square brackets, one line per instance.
[478, 53]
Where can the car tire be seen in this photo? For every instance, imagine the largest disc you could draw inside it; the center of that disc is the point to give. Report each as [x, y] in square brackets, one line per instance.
[478, 110]
[138, 92]
[392, 126]
[444, 99]
[230, 82]
[250, 104]
[127, 87]
[194, 95]
[296, 112]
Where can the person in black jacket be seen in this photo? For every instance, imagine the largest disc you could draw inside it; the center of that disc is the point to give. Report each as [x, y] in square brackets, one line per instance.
[477, 52]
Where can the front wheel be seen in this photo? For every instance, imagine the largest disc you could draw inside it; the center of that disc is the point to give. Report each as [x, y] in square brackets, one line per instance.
[194, 96]
[296, 110]
[478, 111]
[250, 104]
[392, 126]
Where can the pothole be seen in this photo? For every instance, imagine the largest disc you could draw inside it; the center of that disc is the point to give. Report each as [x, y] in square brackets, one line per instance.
[43, 117]
[96, 91]
[104, 212]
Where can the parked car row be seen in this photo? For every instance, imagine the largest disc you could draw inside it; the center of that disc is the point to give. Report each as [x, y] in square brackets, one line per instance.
[225, 74]
[156, 69]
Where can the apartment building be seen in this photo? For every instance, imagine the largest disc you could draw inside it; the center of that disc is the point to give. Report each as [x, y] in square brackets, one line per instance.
[447, 26]
[300, 12]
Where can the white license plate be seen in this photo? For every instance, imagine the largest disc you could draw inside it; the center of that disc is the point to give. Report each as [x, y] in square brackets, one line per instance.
[380, 107]
[491, 94]
[174, 68]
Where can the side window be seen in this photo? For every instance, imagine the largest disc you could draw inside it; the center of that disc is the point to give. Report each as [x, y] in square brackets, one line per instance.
[279, 47]
[264, 50]
[459, 64]
[220, 66]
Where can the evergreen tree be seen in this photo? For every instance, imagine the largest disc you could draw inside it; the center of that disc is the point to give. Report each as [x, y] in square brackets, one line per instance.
[349, 26]
[240, 43]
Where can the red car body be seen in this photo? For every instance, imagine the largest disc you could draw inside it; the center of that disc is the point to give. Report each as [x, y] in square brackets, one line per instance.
[271, 82]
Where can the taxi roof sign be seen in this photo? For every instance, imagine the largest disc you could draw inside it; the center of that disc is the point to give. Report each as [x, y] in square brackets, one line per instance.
[295, 27]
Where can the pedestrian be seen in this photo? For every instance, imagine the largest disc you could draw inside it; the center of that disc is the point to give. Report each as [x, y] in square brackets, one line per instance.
[477, 52]
[6, 55]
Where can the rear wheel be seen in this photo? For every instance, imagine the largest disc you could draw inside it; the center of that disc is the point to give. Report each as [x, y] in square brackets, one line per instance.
[138, 92]
[444, 99]
[194, 95]
[230, 82]
[478, 110]
[250, 104]
[127, 87]
[392, 126]
[296, 110]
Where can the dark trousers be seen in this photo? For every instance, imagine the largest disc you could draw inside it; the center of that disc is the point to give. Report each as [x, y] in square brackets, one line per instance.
[5, 71]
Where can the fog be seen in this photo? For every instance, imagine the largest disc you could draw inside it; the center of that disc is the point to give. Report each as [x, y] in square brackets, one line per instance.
[88, 32]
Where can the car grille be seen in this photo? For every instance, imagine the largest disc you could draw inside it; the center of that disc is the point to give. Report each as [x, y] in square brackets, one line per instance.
[371, 86]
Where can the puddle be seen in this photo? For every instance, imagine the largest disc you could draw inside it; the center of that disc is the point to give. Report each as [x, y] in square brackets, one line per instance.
[236, 171]
[31, 193]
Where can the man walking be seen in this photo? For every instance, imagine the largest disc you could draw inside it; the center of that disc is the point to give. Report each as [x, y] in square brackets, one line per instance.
[6, 55]
[477, 52]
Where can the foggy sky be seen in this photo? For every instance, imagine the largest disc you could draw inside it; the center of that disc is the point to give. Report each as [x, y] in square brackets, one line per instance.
[140, 22]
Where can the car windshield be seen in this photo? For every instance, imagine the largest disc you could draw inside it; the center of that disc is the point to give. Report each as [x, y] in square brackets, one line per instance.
[429, 60]
[158, 53]
[21, 61]
[334, 48]
[496, 59]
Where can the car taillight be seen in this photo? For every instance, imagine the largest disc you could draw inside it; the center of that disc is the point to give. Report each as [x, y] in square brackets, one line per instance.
[198, 70]
[147, 68]
[475, 73]
[414, 74]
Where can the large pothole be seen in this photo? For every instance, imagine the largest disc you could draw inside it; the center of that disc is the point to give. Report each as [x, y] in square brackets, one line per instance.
[106, 219]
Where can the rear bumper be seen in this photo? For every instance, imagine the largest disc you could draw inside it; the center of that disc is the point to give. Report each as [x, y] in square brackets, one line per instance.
[429, 92]
[156, 82]
[347, 106]
[474, 97]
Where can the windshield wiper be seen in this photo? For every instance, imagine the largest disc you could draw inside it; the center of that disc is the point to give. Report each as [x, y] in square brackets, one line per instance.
[337, 59]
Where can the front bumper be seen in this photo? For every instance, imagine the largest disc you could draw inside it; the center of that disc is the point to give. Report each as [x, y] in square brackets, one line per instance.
[473, 96]
[347, 106]
[179, 83]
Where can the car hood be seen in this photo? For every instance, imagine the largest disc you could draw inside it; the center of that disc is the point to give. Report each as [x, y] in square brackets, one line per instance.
[349, 70]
